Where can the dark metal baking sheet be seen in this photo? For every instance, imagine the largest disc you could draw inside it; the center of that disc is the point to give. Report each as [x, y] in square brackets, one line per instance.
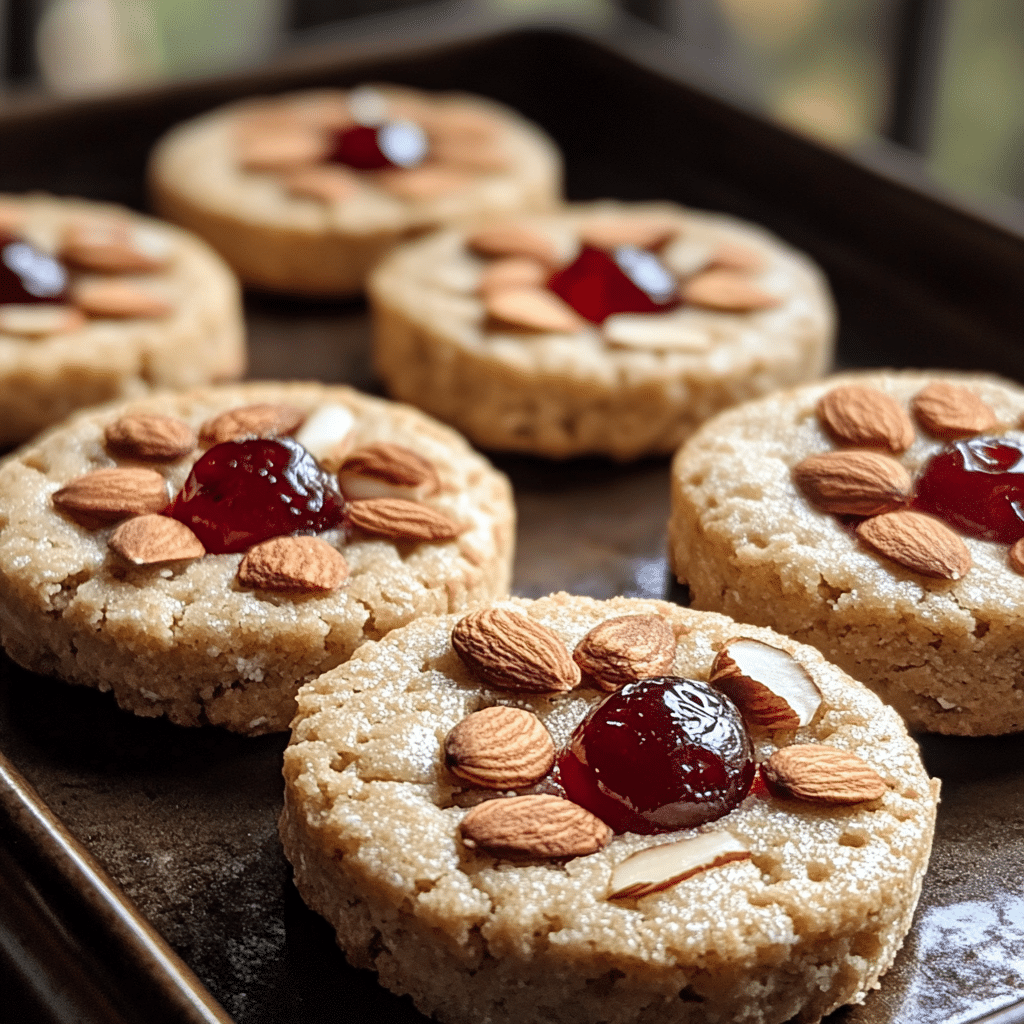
[185, 821]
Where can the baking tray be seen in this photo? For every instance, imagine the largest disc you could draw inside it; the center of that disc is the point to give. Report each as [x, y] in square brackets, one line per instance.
[184, 821]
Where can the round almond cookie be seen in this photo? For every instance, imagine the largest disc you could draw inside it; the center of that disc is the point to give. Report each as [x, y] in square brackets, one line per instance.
[605, 329]
[99, 303]
[202, 554]
[874, 516]
[503, 816]
[303, 193]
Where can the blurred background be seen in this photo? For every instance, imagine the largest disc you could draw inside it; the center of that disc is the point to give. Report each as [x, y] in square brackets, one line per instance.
[941, 78]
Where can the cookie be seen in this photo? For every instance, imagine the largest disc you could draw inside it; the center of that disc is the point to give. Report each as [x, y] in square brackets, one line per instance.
[303, 193]
[189, 553]
[606, 329]
[99, 303]
[425, 821]
[872, 516]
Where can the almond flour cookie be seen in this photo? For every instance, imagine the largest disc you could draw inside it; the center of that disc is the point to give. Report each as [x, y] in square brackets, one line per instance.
[303, 193]
[425, 821]
[98, 303]
[607, 329]
[873, 516]
[203, 554]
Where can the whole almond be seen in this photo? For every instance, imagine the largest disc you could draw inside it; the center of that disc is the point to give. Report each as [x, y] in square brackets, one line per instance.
[862, 416]
[120, 300]
[282, 149]
[533, 309]
[511, 651]
[153, 538]
[736, 256]
[151, 437]
[259, 420]
[107, 495]
[107, 247]
[534, 826]
[39, 319]
[329, 183]
[293, 564]
[508, 239]
[917, 542]
[853, 482]
[385, 469]
[726, 291]
[948, 411]
[423, 182]
[821, 774]
[624, 649]
[641, 232]
[467, 152]
[512, 272]
[500, 748]
[400, 519]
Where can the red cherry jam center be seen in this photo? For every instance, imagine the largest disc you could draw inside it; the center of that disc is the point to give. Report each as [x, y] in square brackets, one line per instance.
[658, 755]
[977, 486]
[626, 279]
[374, 147]
[242, 492]
[28, 275]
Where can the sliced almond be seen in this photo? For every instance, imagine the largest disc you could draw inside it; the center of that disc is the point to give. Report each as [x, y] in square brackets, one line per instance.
[426, 182]
[398, 519]
[264, 419]
[513, 272]
[736, 256]
[769, 686]
[293, 564]
[150, 437]
[39, 319]
[624, 649]
[853, 482]
[823, 775]
[385, 470]
[152, 538]
[857, 415]
[510, 239]
[534, 309]
[726, 291]
[659, 867]
[326, 434]
[948, 411]
[107, 495]
[281, 150]
[534, 826]
[654, 331]
[642, 232]
[511, 651]
[468, 152]
[120, 300]
[327, 183]
[108, 246]
[500, 748]
[917, 542]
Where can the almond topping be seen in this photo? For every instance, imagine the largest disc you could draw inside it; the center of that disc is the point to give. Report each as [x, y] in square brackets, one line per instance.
[38, 319]
[108, 247]
[951, 412]
[107, 495]
[399, 519]
[386, 470]
[281, 150]
[643, 233]
[423, 182]
[512, 272]
[120, 300]
[535, 309]
[917, 542]
[326, 433]
[467, 151]
[260, 420]
[152, 538]
[534, 826]
[624, 649]
[660, 867]
[144, 436]
[853, 482]
[769, 686]
[662, 332]
[1016, 556]
[736, 256]
[514, 240]
[328, 183]
[858, 415]
[462, 123]
[500, 748]
[303, 564]
[511, 651]
[822, 775]
[727, 292]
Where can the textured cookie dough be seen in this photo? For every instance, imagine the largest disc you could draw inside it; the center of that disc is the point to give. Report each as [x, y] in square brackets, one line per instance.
[561, 395]
[947, 654]
[280, 240]
[201, 340]
[184, 639]
[371, 825]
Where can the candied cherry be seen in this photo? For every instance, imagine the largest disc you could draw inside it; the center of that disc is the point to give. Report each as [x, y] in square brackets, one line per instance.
[29, 275]
[242, 492]
[977, 486]
[658, 755]
[625, 279]
[374, 147]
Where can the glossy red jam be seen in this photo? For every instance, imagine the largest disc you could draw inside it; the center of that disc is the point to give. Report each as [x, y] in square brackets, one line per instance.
[374, 147]
[626, 279]
[29, 275]
[977, 486]
[242, 492]
[658, 755]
